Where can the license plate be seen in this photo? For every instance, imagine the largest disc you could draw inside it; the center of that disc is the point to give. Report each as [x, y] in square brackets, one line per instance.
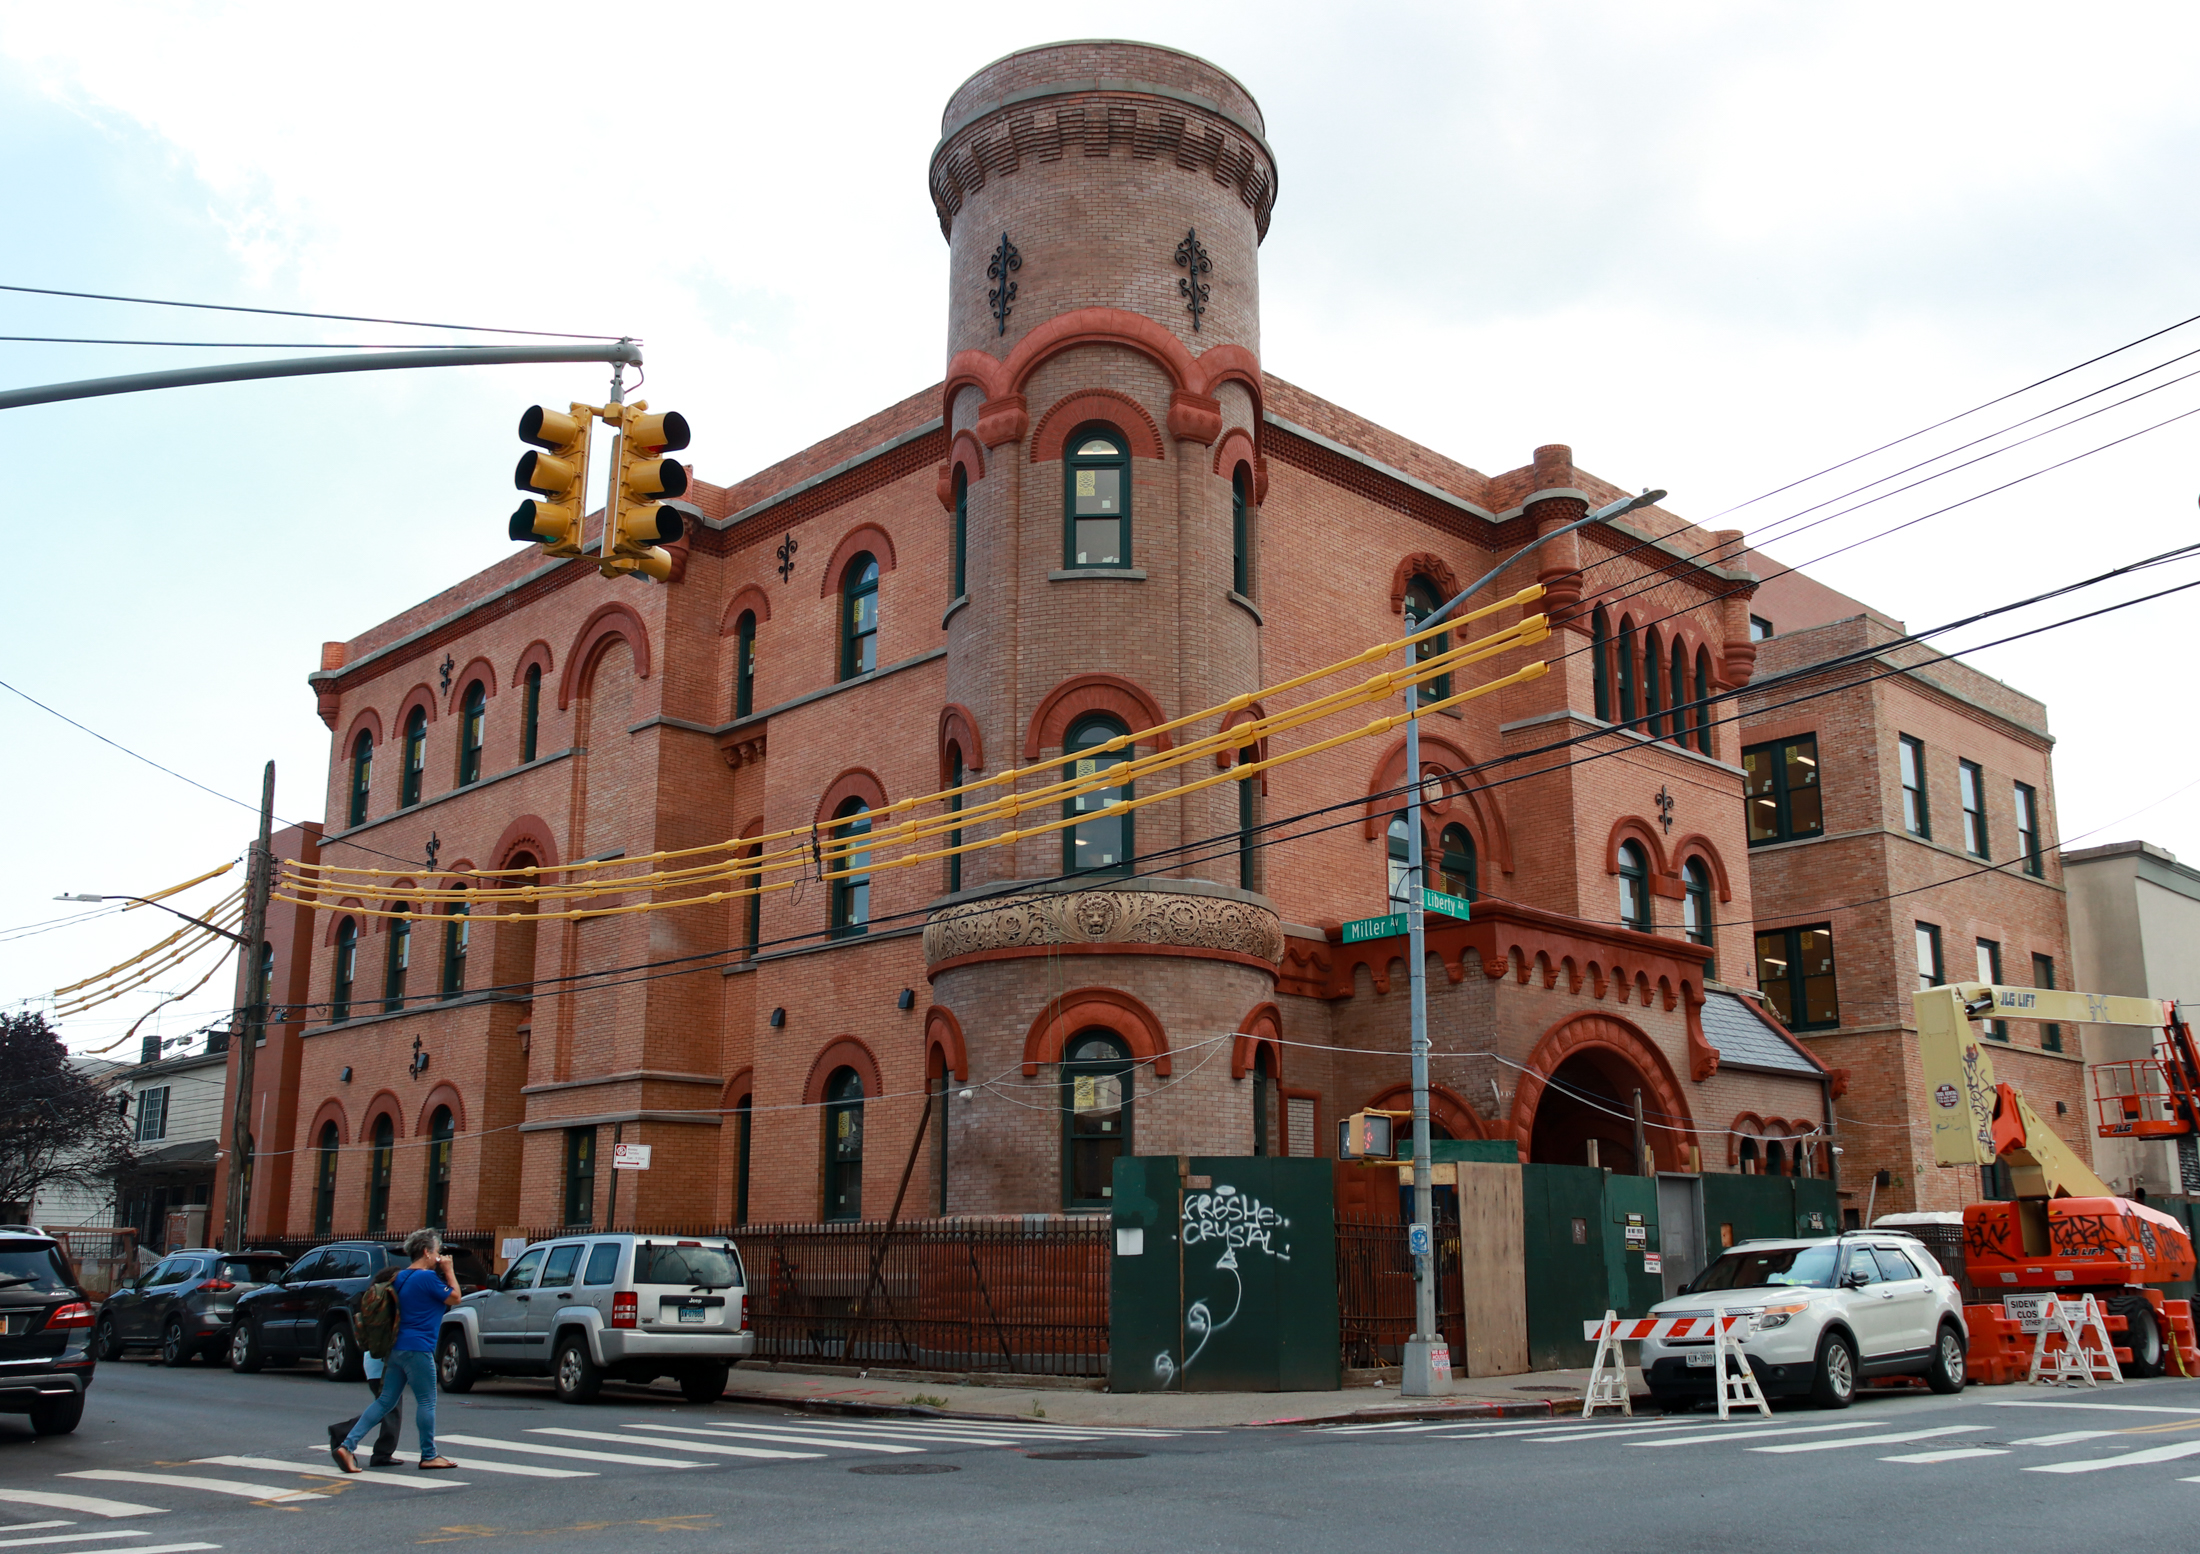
[1701, 1359]
[692, 1313]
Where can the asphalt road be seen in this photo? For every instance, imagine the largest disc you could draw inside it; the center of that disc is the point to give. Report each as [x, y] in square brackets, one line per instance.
[2004, 1468]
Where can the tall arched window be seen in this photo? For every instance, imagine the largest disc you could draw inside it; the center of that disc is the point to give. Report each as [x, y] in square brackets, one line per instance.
[415, 762]
[851, 908]
[954, 805]
[744, 1119]
[1747, 1155]
[324, 1182]
[859, 617]
[1625, 649]
[1248, 808]
[399, 961]
[961, 537]
[752, 906]
[1703, 698]
[1096, 1117]
[1398, 856]
[1241, 538]
[530, 715]
[1775, 1158]
[744, 664]
[362, 776]
[473, 727]
[1097, 500]
[347, 967]
[844, 1145]
[1680, 693]
[1264, 1107]
[1600, 662]
[1103, 843]
[458, 930]
[1634, 888]
[441, 1130]
[378, 1176]
[1696, 903]
[1459, 869]
[1653, 673]
[1423, 599]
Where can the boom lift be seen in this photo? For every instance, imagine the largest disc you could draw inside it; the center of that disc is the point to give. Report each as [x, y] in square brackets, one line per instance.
[2065, 1230]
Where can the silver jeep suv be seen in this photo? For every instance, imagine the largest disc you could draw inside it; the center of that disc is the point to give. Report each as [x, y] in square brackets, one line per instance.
[1824, 1316]
[583, 1308]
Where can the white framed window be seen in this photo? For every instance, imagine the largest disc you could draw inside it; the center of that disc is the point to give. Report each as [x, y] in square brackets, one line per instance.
[152, 1117]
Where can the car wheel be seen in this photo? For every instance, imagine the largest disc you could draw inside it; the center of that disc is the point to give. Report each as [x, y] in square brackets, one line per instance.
[705, 1383]
[1948, 1369]
[454, 1367]
[58, 1417]
[574, 1375]
[1833, 1380]
[176, 1347]
[107, 1343]
[246, 1353]
[2145, 1336]
[340, 1359]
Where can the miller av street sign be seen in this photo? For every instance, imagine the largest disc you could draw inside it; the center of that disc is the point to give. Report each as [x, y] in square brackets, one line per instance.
[1362, 929]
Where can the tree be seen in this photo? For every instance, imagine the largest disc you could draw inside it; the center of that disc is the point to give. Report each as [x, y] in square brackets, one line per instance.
[58, 1124]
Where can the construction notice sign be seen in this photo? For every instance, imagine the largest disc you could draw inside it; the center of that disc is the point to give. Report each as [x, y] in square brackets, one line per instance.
[630, 1157]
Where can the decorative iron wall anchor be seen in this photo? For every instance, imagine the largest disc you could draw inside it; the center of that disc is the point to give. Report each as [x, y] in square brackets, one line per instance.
[787, 548]
[1192, 255]
[1665, 809]
[447, 666]
[1005, 261]
[435, 845]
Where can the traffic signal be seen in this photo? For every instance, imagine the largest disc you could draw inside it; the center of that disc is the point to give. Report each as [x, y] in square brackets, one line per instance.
[558, 472]
[639, 525]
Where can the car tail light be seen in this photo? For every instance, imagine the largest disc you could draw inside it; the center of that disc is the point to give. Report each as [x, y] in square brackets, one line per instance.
[218, 1284]
[625, 1309]
[74, 1314]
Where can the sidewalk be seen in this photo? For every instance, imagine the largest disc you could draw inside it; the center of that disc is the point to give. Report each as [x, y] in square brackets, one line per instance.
[1067, 1401]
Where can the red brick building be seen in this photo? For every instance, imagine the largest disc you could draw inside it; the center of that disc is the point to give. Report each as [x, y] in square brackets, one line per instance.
[1107, 515]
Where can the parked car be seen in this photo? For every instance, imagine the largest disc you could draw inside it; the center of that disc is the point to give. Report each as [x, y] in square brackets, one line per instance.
[585, 1308]
[1824, 1315]
[313, 1309]
[45, 1332]
[182, 1304]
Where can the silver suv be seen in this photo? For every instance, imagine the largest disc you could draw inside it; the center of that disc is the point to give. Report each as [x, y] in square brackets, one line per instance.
[584, 1308]
[1824, 1315]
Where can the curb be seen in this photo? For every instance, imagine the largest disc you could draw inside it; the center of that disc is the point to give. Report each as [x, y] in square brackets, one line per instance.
[1463, 1411]
[853, 1410]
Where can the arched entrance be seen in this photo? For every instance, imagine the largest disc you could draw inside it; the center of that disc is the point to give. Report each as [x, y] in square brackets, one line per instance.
[1589, 1099]
[1581, 1086]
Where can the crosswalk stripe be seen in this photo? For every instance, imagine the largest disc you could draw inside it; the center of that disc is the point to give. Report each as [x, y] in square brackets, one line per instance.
[31, 1526]
[2066, 1438]
[1953, 1454]
[517, 1469]
[276, 1465]
[1875, 1440]
[1593, 1432]
[64, 1537]
[539, 1450]
[2112, 1408]
[1547, 1432]
[742, 1433]
[2129, 1459]
[90, 1505]
[995, 1427]
[170, 1548]
[956, 1438]
[214, 1486]
[763, 1453]
[1756, 1432]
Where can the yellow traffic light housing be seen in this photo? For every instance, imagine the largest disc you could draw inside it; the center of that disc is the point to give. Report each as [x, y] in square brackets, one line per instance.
[638, 524]
[556, 469]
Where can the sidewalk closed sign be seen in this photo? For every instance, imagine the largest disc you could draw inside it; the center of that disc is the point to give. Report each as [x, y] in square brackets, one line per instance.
[630, 1157]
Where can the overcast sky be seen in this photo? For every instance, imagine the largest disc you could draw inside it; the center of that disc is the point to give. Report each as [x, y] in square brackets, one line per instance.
[1714, 247]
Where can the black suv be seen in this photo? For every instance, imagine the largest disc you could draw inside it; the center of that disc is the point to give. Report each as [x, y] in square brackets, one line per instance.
[183, 1303]
[311, 1311]
[45, 1332]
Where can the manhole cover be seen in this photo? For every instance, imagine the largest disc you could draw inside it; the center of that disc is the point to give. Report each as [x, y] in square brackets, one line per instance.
[903, 1469]
[1084, 1456]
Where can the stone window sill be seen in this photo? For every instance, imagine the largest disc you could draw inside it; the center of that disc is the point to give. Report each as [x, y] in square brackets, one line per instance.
[1120, 574]
[1245, 604]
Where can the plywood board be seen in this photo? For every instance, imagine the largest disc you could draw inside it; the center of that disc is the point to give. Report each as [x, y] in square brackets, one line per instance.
[1493, 1269]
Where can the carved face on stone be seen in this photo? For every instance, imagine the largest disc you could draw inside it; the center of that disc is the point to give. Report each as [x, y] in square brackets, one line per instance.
[1093, 913]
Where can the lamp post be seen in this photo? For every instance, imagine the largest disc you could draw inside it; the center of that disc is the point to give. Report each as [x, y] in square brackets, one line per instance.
[1419, 1378]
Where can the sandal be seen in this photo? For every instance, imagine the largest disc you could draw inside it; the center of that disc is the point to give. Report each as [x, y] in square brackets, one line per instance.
[344, 1459]
[437, 1464]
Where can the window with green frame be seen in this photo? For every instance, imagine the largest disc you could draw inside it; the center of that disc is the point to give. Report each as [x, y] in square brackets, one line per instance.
[1703, 700]
[961, 537]
[530, 720]
[2028, 830]
[347, 966]
[859, 617]
[954, 806]
[851, 895]
[844, 1145]
[1623, 651]
[415, 763]
[1096, 1116]
[744, 664]
[473, 727]
[1458, 870]
[379, 1164]
[744, 1115]
[1103, 839]
[580, 1176]
[1634, 889]
[1780, 790]
[1696, 905]
[1096, 499]
[1678, 693]
[1971, 789]
[1241, 538]
[324, 1182]
[1795, 970]
[398, 962]
[441, 1131]
[1600, 662]
[1248, 808]
[1653, 702]
[458, 933]
[1423, 599]
[362, 776]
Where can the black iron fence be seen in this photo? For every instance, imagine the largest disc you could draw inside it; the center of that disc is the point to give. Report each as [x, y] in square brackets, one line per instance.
[1375, 1290]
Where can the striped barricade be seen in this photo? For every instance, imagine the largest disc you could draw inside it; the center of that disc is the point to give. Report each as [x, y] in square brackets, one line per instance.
[1737, 1383]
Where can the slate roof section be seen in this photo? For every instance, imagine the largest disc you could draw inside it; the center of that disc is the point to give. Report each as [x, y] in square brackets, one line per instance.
[1730, 1025]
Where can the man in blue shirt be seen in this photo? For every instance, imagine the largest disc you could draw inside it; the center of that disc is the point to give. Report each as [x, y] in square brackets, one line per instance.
[425, 1289]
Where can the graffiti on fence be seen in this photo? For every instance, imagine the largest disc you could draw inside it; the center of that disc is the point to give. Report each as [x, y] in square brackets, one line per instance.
[1237, 1222]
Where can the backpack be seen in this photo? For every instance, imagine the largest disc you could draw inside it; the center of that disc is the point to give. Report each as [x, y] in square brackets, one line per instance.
[378, 1318]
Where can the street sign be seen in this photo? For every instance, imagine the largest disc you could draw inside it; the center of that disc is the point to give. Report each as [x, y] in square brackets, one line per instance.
[1362, 929]
[630, 1157]
[1447, 906]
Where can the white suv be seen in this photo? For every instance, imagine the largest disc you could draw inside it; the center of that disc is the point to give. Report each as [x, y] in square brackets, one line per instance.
[1824, 1315]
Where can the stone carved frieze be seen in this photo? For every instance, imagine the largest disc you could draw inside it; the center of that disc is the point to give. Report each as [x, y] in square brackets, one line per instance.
[1104, 917]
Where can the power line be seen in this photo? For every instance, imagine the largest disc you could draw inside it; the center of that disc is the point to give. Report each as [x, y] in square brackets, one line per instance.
[344, 318]
[226, 345]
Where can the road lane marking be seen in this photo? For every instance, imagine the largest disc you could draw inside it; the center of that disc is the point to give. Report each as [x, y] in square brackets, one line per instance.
[276, 1465]
[2113, 1408]
[943, 1438]
[1953, 1454]
[1758, 1432]
[1592, 1432]
[216, 1486]
[536, 1449]
[170, 1548]
[2067, 1438]
[31, 1526]
[764, 1453]
[515, 1469]
[985, 1427]
[1873, 1440]
[90, 1505]
[2127, 1459]
[740, 1432]
[64, 1537]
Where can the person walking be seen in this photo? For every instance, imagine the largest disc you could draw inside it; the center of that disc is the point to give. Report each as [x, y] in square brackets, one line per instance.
[375, 1338]
[425, 1288]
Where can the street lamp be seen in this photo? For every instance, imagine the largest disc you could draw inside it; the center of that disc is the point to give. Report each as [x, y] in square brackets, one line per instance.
[186, 916]
[1418, 1378]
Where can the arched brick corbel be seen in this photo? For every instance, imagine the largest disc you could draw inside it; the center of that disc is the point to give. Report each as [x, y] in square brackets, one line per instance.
[1004, 419]
[444, 1094]
[1195, 417]
[537, 656]
[1225, 759]
[944, 1031]
[855, 783]
[959, 730]
[1450, 767]
[748, 597]
[1235, 448]
[1105, 1007]
[1073, 698]
[607, 621]
[529, 834]
[1089, 405]
[419, 696]
[863, 537]
[842, 1052]
[1262, 1028]
[1421, 563]
[1633, 828]
[369, 720]
[479, 669]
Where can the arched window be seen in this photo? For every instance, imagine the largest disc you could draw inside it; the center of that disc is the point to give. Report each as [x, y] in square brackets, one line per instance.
[1423, 599]
[744, 1121]
[1626, 650]
[1096, 1117]
[1680, 693]
[1241, 539]
[1097, 500]
[362, 775]
[1248, 797]
[1600, 662]
[744, 664]
[961, 537]
[1775, 1158]
[859, 617]
[378, 1176]
[1748, 1157]
[347, 967]
[954, 805]
[415, 758]
[399, 961]
[1696, 903]
[844, 1145]
[1264, 1110]
[473, 725]
[324, 1183]
[1634, 888]
[1398, 855]
[1103, 844]
[851, 908]
[1458, 867]
[441, 1130]
[458, 930]
[1653, 703]
[530, 717]
[1703, 698]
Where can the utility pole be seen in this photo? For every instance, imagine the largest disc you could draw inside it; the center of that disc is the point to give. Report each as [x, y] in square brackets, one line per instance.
[258, 877]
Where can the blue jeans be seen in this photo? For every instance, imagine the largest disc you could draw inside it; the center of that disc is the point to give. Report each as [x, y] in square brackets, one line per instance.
[414, 1368]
